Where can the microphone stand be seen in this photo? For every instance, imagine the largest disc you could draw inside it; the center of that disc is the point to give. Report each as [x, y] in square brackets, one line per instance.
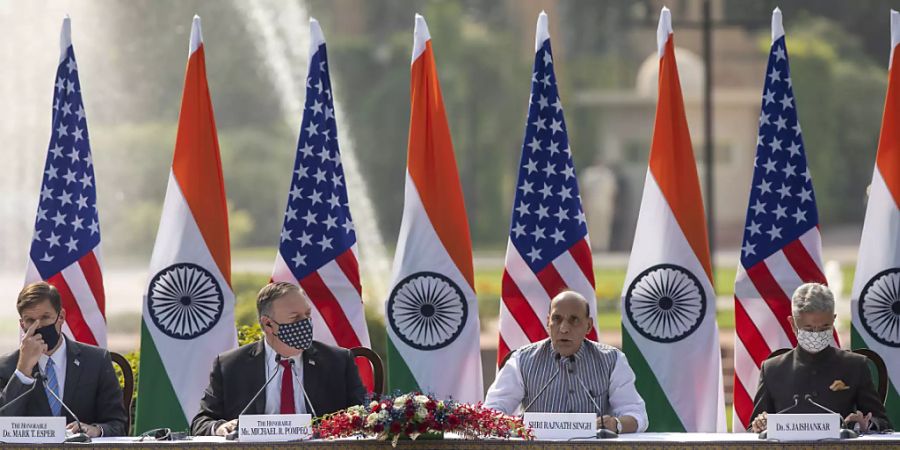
[846, 433]
[603, 432]
[556, 356]
[764, 434]
[80, 436]
[306, 398]
[22, 395]
[234, 434]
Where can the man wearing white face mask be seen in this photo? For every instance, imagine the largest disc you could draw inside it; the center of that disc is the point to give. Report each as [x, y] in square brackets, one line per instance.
[307, 376]
[837, 379]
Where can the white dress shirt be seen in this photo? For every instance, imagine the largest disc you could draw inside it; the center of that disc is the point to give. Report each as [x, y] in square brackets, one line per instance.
[273, 390]
[59, 366]
[508, 390]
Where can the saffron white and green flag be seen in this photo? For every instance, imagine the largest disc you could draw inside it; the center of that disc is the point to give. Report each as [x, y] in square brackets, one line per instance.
[188, 315]
[432, 314]
[669, 330]
[875, 302]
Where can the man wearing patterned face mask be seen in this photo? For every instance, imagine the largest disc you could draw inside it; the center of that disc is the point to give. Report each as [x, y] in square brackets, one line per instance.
[837, 379]
[309, 376]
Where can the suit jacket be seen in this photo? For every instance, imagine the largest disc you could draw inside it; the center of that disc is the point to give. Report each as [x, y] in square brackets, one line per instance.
[91, 391]
[330, 378]
[801, 372]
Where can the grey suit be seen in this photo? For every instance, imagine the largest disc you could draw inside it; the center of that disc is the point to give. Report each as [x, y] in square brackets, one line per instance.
[800, 372]
[92, 389]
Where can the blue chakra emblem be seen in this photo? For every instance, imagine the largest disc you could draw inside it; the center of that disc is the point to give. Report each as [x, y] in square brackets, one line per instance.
[185, 301]
[665, 303]
[427, 310]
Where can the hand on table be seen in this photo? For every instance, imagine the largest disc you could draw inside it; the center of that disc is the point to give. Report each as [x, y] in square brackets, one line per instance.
[759, 423]
[226, 427]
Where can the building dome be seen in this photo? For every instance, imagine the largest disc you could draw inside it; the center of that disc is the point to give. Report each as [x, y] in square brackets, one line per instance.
[690, 71]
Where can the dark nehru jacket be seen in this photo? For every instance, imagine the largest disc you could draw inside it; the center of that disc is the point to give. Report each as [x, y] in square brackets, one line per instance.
[837, 379]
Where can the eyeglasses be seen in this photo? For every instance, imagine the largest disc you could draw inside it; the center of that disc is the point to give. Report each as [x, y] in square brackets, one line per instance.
[158, 434]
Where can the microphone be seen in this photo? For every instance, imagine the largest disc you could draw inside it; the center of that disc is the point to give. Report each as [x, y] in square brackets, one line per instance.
[764, 434]
[603, 432]
[303, 389]
[845, 432]
[796, 402]
[235, 433]
[556, 356]
[81, 436]
[36, 377]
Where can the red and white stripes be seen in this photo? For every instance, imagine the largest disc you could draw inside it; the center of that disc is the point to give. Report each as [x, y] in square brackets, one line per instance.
[526, 295]
[80, 286]
[762, 304]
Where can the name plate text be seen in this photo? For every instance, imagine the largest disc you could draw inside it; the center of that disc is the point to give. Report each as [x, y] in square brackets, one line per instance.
[552, 426]
[803, 427]
[32, 430]
[275, 427]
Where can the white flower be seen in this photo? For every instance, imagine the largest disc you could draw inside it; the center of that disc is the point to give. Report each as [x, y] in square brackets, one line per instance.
[420, 399]
[421, 413]
[401, 401]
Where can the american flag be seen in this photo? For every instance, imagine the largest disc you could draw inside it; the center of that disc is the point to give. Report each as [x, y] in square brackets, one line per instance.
[65, 248]
[318, 240]
[782, 247]
[548, 249]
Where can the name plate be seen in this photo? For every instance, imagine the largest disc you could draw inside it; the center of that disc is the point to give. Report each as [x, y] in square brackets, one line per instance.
[32, 430]
[803, 427]
[275, 427]
[552, 426]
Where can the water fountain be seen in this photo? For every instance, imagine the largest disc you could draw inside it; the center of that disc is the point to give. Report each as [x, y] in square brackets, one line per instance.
[281, 36]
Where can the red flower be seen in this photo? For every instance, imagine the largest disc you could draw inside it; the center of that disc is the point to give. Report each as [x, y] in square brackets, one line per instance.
[378, 428]
[423, 427]
[410, 429]
[395, 427]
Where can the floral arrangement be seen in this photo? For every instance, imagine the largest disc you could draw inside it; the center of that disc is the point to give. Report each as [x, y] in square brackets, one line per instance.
[413, 415]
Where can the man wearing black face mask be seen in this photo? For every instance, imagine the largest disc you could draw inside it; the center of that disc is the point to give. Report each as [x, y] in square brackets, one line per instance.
[309, 376]
[82, 375]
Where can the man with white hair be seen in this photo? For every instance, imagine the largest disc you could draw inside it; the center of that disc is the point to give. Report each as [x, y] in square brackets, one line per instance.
[817, 371]
[568, 373]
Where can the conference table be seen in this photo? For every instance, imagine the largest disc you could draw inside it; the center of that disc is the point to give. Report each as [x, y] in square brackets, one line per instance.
[632, 441]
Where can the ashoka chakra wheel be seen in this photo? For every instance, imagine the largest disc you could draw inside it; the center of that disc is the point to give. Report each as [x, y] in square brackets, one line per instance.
[427, 310]
[665, 303]
[879, 307]
[184, 300]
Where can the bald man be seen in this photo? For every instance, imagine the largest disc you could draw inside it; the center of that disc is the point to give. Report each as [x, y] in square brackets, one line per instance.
[568, 373]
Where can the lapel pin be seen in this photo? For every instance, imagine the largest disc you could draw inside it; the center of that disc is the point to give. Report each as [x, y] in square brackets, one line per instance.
[312, 362]
[77, 362]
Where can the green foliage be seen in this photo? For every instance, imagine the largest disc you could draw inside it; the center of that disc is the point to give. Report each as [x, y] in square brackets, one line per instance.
[245, 286]
[249, 334]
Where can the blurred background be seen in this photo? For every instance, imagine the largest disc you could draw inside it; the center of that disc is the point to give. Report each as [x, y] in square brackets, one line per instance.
[132, 58]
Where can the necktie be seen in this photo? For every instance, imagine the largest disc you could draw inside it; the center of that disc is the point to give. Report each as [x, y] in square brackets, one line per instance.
[52, 385]
[287, 388]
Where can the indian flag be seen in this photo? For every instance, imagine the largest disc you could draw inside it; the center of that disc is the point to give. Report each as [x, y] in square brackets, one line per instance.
[432, 313]
[875, 302]
[669, 330]
[188, 314]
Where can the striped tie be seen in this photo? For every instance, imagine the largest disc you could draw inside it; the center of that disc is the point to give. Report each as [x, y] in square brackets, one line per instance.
[52, 385]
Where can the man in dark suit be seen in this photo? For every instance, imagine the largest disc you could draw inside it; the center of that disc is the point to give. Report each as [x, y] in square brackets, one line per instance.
[82, 375]
[836, 379]
[309, 376]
